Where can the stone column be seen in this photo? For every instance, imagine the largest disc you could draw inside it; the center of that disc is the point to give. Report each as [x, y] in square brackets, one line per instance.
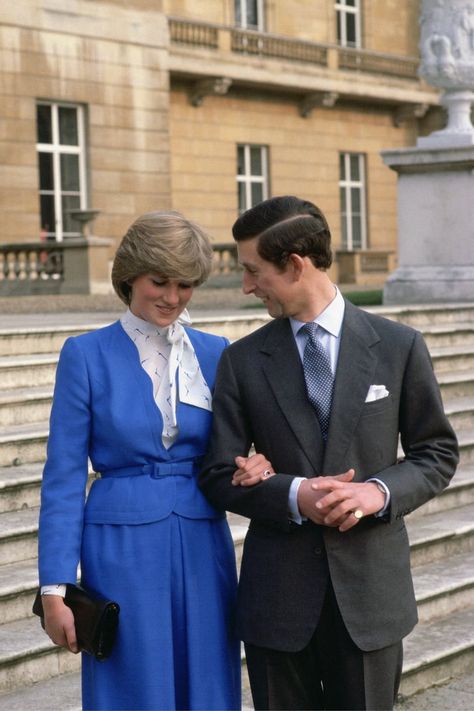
[436, 178]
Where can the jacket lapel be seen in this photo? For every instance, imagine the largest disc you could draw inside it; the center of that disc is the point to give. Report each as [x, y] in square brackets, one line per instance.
[355, 372]
[284, 372]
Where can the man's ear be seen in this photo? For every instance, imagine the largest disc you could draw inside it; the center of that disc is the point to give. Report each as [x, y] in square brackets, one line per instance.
[296, 265]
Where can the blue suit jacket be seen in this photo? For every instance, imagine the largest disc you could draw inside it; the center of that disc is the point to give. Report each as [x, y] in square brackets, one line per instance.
[104, 410]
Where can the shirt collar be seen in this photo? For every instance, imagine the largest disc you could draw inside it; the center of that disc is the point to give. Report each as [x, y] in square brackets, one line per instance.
[330, 319]
[136, 323]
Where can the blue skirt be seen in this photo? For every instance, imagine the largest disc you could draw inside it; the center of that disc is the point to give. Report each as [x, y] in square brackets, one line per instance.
[175, 582]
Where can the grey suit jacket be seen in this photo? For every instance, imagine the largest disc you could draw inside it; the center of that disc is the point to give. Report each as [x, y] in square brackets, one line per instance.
[260, 398]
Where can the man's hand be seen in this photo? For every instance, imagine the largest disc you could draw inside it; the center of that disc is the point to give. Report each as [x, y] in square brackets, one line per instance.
[338, 500]
[59, 622]
[251, 470]
[309, 497]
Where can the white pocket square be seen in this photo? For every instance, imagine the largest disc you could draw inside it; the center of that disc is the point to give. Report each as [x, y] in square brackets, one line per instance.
[376, 392]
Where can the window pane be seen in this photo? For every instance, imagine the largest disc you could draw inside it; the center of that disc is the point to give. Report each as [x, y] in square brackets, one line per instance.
[238, 13]
[240, 160]
[69, 172]
[351, 29]
[355, 199]
[351, 3]
[43, 121]
[252, 13]
[257, 193]
[68, 135]
[342, 168]
[339, 27]
[70, 202]
[256, 161]
[342, 194]
[356, 232]
[242, 199]
[46, 177]
[48, 219]
[355, 167]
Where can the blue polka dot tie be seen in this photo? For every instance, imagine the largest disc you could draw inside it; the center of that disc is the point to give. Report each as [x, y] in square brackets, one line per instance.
[318, 376]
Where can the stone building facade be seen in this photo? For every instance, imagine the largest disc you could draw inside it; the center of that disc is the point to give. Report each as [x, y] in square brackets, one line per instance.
[208, 107]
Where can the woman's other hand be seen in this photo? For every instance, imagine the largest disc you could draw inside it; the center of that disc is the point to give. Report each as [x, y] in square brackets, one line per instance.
[251, 470]
[59, 622]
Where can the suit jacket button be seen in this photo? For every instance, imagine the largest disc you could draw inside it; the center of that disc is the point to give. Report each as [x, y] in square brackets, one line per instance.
[318, 551]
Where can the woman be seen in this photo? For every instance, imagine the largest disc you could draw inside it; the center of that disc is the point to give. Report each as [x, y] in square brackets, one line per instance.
[135, 398]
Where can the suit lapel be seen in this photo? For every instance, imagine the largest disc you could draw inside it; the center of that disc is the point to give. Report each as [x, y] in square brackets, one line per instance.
[283, 369]
[355, 372]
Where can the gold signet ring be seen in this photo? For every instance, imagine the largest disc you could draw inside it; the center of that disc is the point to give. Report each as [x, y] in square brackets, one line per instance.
[358, 513]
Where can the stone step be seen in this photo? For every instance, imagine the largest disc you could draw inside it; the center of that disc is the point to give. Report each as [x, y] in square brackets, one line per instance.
[421, 316]
[23, 443]
[460, 411]
[20, 486]
[21, 405]
[27, 655]
[48, 338]
[466, 445]
[438, 650]
[18, 536]
[454, 334]
[23, 371]
[444, 586]
[460, 492]
[456, 384]
[452, 358]
[18, 585]
[437, 536]
[64, 690]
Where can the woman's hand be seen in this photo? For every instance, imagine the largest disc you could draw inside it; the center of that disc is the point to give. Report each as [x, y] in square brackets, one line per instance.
[251, 470]
[59, 622]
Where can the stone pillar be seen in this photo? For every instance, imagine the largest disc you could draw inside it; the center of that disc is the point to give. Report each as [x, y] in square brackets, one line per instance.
[436, 178]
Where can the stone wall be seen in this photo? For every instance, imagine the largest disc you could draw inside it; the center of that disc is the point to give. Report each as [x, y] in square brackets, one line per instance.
[112, 58]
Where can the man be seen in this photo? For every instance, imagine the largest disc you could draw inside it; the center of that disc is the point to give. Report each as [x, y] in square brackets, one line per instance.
[325, 593]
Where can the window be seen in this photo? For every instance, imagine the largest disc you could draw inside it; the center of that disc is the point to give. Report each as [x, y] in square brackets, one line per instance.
[352, 196]
[348, 23]
[252, 175]
[249, 14]
[61, 161]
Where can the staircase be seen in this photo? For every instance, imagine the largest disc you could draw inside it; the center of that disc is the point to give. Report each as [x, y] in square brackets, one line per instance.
[33, 671]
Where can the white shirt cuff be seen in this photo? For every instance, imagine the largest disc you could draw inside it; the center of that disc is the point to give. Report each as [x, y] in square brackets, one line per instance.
[54, 590]
[383, 511]
[293, 510]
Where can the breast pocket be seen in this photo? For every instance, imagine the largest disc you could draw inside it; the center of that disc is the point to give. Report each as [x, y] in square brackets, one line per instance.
[377, 406]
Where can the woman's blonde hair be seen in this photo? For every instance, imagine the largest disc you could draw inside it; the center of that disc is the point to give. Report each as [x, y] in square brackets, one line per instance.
[164, 243]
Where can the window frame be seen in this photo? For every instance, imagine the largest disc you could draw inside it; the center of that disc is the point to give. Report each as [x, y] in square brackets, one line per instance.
[248, 178]
[347, 184]
[260, 26]
[342, 12]
[57, 149]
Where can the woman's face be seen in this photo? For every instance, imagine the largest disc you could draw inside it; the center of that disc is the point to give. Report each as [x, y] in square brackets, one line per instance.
[159, 300]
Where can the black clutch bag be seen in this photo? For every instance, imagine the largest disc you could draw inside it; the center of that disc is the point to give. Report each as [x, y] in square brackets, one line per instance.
[96, 620]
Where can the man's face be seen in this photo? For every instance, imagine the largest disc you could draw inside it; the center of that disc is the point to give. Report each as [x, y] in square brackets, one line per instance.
[265, 280]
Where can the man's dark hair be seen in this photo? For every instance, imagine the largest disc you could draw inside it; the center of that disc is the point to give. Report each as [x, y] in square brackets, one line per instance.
[286, 225]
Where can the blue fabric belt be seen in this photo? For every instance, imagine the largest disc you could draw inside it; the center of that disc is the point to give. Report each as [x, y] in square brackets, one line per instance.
[156, 470]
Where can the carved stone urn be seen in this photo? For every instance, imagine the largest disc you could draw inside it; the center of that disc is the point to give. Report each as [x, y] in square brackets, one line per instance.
[447, 62]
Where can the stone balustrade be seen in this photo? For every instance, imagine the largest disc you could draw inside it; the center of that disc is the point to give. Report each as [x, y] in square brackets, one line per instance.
[75, 266]
[217, 37]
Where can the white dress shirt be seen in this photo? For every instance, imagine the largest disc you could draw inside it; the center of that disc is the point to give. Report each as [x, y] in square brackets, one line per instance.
[329, 336]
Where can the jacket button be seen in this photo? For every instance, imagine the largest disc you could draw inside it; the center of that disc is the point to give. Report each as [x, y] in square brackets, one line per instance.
[317, 551]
